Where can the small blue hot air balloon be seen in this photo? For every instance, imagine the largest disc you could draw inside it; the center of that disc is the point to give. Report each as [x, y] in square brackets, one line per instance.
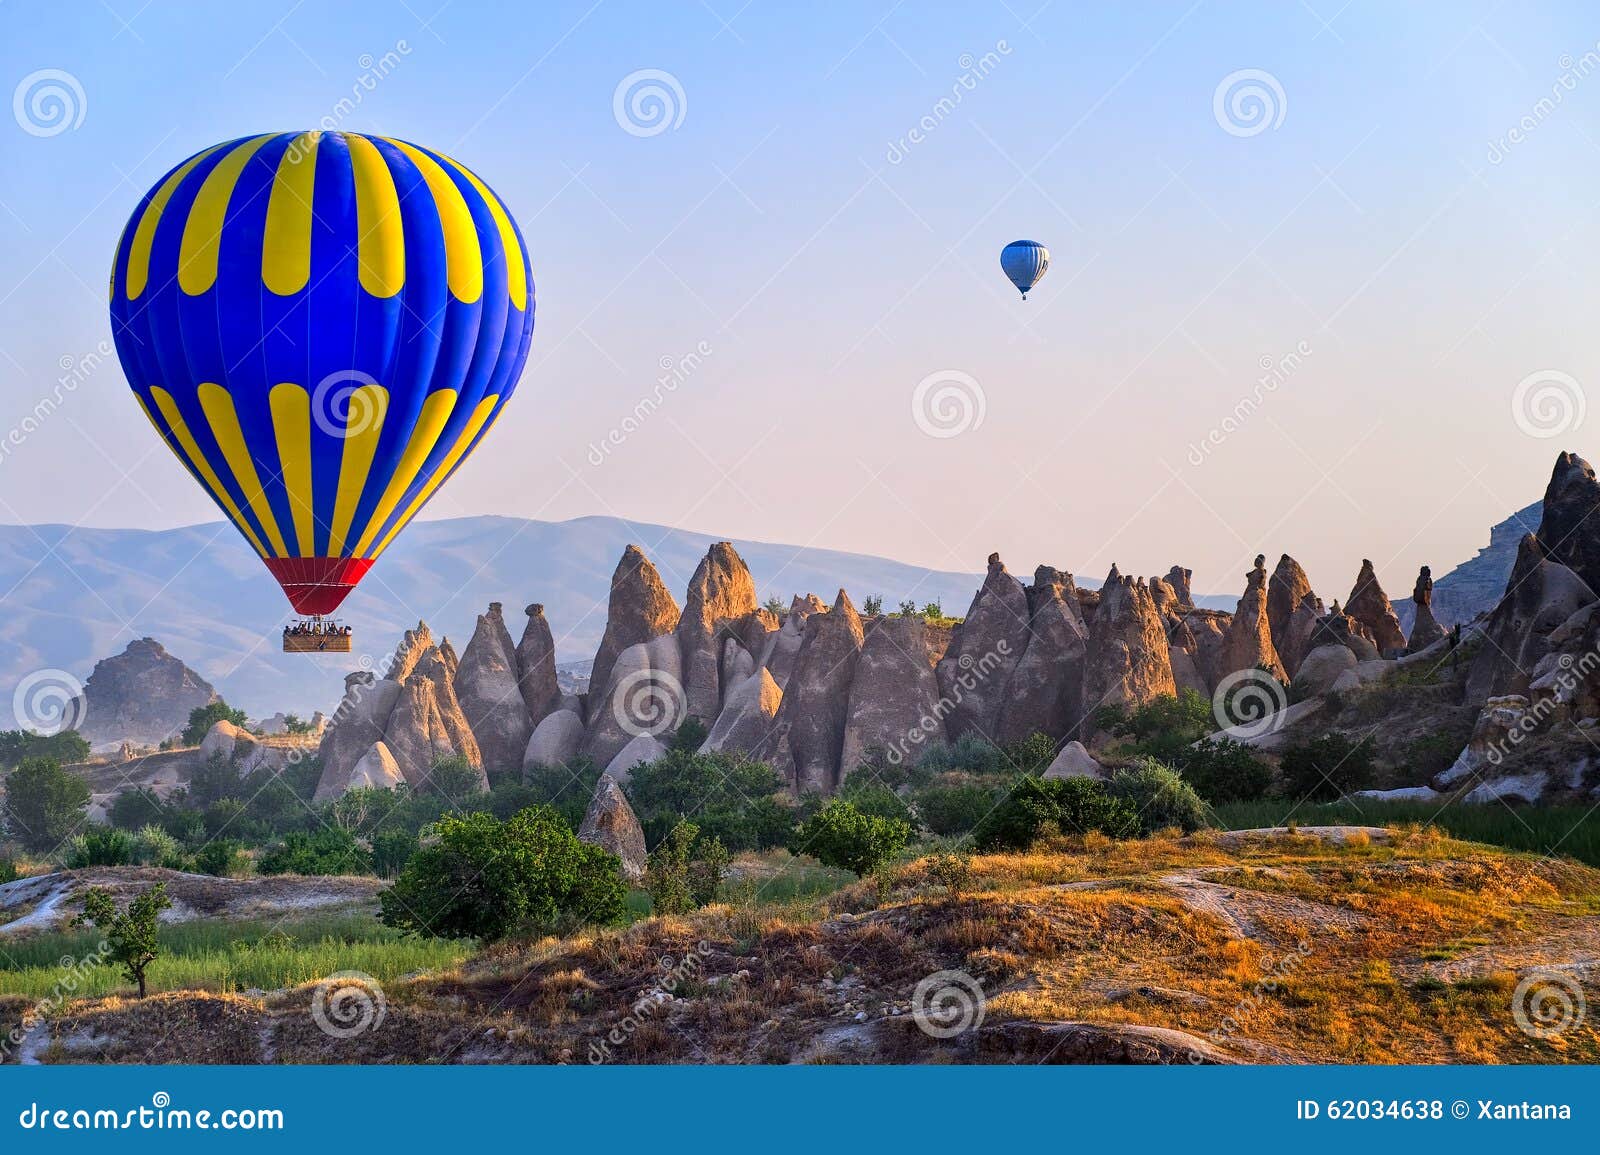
[1024, 263]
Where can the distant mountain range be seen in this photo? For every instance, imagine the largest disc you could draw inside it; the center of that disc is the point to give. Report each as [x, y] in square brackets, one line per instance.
[73, 596]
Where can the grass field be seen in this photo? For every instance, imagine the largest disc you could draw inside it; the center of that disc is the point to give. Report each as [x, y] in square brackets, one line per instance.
[228, 957]
[1568, 831]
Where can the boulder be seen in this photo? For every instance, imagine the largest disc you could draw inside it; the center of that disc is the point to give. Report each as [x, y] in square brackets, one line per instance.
[611, 824]
[1321, 668]
[536, 667]
[720, 594]
[1402, 794]
[555, 741]
[376, 768]
[640, 751]
[1369, 606]
[489, 691]
[1074, 761]
[1518, 787]
[984, 649]
[1046, 686]
[225, 741]
[357, 724]
[894, 696]
[1126, 661]
[640, 609]
[747, 717]
[807, 740]
[143, 695]
[645, 696]
[1248, 645]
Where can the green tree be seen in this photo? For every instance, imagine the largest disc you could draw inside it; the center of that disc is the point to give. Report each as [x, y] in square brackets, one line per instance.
[728, 796]
[685, 871]
[392, 848]
[130, 935]
[872, 606]
[1225, 771]
[1327, 767]
[1158, 796]
[331, 850]
[202, 718]
[1036, 808]
[486, 879]
[841, 836]
[64, 746]
[44, 803]
[135, 808]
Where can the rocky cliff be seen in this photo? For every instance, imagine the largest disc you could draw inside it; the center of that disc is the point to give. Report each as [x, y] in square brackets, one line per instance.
[143, 695]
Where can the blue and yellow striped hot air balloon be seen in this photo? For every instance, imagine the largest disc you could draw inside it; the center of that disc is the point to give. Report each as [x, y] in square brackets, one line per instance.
[1024, 264]
[322, 326]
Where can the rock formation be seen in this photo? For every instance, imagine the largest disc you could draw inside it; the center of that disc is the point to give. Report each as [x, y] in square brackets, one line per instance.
[376, 769]
[645, 696]
[489, 690]
[143, 695]
[1178, 578]
[1369, 606]
[807, 740]
[639, 610]
[778, 653]
[641, 750]
[1424, 630]
[1568, 528]
[611, 824]
[1320, 669]
[1292, 612]
[1126, 662]
[893, 695]
[1045, 690]
[1248, 645]
[1074, 761]
[1340, 629]
[557, 739]
[357, 725]
[720, 594]
[427, 723]
[984, 649]
[747, 717]
[1540, 596]
[536, 667]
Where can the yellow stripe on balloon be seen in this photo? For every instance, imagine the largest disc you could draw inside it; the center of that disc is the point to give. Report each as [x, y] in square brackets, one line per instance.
[197, 461]
[457, 451]
[138, 274]
[202, 233]
[224, 422]
[366, 408]
[291, 426]
[463, 255]
[424, 436]
[286, 240]
[516, 273]
[382, 234]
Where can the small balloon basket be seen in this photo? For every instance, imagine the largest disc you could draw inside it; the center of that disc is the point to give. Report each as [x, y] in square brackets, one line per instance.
[316, 635]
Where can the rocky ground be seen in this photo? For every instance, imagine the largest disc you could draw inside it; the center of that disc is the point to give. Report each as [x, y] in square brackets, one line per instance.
[1333, 945]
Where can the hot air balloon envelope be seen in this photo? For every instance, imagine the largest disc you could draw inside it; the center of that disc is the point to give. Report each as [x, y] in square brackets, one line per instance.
[322, 326]
[1024, 263]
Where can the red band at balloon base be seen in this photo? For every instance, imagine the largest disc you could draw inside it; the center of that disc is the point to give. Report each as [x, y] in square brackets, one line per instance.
[317, 585]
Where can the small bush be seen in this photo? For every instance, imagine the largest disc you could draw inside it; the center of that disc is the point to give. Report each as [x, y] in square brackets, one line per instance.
[487, 879]
[133, 809]
[1159, 797]
[1036, 808]
[101, 846]
[685, 872]
[328, 851]
[969, 752]
[953, 871]
[1327, 767]
[9, 871]
[1032, 755]
[202, 718]
[950, 811]
[841, 836]
[878, 801]
[392, 848]
[566, 789]
[222, 859]
[1225, 771]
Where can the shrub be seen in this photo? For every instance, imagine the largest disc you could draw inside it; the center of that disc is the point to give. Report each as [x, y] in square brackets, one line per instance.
[1163, 727]
[1032, 755]
[327, 851]
[222, 859]
[392, 848]
[1327, 767]
[9, 871]
[486, 879]
[44, 803]
[131, 935]
[685, 871]
[133, 809]
[202, 718]
[365, 809]
[1158, 796]
[454, 779]
[729, 796]
[1225, 771]
[1036, 808]
[566, 789]
[153, 846]
[969, 752]
[878, 801]
[872, 605]
[949, 811]
[953, 871]
[841, 836]
[100, 846]
[64, 746]
[690, 735]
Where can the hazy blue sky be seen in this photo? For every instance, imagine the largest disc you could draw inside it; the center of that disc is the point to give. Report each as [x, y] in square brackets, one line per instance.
[1383, 223]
